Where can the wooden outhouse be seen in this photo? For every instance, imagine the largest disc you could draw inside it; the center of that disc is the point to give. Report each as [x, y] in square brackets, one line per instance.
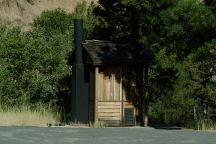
[109, 82]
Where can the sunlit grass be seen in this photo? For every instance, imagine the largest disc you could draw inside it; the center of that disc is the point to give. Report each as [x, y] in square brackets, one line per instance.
[201, 125]
[206, 125]
[97, 124]
[40, 116]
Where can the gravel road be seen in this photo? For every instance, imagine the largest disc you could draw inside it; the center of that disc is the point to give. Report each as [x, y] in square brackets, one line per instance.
[49, 135]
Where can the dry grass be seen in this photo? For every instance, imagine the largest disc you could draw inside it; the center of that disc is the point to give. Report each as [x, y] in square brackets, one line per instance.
[206, 125]
[22, 12]
[98, 124]
[25, 117]
[77, 124]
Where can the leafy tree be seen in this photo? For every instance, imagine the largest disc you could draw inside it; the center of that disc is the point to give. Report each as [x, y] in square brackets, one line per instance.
[54, 22]
[175, 31]
[202, 73]
[132, 21]
[211, 4]
[11, 57]
[185, 28]
[33, 64]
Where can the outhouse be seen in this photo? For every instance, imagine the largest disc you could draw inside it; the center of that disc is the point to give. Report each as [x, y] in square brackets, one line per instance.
[107, 80]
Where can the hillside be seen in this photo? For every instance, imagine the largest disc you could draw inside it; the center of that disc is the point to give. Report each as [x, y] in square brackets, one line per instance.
[22, 12]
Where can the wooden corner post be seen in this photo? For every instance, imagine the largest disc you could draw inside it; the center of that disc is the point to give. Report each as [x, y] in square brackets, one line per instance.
[96, 93]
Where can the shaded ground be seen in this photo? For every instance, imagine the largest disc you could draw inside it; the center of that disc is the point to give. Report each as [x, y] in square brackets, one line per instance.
[35, 135]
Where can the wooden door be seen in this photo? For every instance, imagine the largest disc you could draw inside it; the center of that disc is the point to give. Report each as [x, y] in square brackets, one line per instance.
[109, 95]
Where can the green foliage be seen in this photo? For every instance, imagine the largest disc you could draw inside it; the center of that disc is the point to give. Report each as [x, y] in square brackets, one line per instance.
[33, 64]
[11, 55]
[211, 4]
[82, 11]
[30, 63]
[202, 72]
[56, 21]
[180, 33]
[187, 26]
[130, 20]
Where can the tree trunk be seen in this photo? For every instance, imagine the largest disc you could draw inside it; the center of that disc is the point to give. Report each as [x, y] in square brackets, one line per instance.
[195, 113]
[146, 97]
[143, 96]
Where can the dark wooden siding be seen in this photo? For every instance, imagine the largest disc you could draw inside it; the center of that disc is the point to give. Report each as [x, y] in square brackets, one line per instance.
[111, 96]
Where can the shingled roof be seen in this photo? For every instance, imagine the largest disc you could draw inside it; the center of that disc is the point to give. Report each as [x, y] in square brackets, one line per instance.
[97, 52]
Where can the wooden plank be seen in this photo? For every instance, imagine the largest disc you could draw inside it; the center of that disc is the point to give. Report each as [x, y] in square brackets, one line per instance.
[103, 87]
[107, 103]
[92, 86]
[128, 104]
[109, 114]
[109, 110]
[109, 118]
[112, 122]
[100, 86]
[116, 123]
[124, 77]
[120, 98]
[109, 107]
[117, 81]
[115, 108]
[109, 93]
[110, 84]
[96, 92]
[107, 85]
[112, 90]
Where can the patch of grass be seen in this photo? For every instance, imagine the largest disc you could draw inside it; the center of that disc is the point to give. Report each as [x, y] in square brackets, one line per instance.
[97, 124]
[201, 125]
[39, 116]
[206, 125]
[77, 124]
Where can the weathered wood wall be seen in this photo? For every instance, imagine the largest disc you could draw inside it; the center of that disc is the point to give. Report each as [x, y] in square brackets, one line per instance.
[92, 96]
[108, 97]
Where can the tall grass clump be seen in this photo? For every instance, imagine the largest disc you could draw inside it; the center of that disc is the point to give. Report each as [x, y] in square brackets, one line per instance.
[201, 124]
[205, 125]
[40, 115]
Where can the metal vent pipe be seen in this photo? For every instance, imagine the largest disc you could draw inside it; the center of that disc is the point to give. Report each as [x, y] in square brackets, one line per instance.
[80, 87]
[78, 39]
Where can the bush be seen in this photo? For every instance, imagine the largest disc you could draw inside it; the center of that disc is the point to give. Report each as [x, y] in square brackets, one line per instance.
[33, 64]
